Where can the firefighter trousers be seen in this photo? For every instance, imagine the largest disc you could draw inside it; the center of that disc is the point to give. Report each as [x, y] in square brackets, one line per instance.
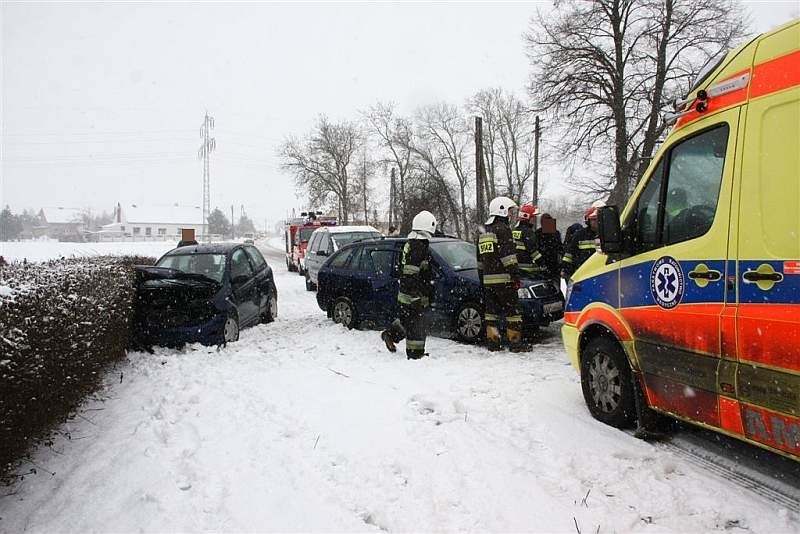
[410, 325]
[502, 306]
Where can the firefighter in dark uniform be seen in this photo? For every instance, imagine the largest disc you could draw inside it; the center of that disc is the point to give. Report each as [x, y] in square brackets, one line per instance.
[582, 244]
[524, 235]
[499, 272]
[416, 290]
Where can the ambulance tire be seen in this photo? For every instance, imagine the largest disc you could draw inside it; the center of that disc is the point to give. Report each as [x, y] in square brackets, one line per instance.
[607, 384]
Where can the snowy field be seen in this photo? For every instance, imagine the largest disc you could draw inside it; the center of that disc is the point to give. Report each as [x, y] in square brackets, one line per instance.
[305, 426]
[49, 250]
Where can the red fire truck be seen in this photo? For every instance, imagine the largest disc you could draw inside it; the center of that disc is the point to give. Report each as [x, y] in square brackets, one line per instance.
[297, 233]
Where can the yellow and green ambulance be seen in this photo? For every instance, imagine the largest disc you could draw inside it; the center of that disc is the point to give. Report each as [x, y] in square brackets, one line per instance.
[692, 309]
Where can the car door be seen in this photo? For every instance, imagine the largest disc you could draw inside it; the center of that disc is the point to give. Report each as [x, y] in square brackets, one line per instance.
[767, 275]
[244, 289]
[263, 277]
[374, 283]
[673, 287]
[323, 250]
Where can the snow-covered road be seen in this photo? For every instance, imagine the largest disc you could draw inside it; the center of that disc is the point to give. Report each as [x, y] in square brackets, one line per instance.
[305, 426]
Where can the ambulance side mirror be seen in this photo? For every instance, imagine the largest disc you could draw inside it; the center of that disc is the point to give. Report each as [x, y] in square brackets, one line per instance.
[608, 229]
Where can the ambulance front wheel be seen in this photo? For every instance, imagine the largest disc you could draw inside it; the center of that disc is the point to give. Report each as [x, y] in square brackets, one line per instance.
[607, 383]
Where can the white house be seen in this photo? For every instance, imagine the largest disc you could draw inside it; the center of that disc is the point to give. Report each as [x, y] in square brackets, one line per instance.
[152, 223]
[60, 222]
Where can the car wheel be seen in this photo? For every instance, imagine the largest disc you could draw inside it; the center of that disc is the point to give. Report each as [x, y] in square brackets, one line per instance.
[607, 383]
[469, 323]
[230, 331]
[310, 286]
[344, 312]
[271, 313]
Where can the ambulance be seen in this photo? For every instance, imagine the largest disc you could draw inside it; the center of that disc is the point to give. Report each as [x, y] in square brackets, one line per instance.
[692, 307]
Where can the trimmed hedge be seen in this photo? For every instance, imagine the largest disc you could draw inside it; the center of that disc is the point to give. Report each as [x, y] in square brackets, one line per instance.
[61, 323]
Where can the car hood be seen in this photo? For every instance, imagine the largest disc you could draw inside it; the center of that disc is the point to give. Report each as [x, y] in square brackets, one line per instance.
[470, 275]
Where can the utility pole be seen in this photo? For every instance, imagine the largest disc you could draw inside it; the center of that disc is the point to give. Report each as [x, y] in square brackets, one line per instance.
[392, 199]
[233, 226]
[204, 153]
[536, 135]
[479, 169]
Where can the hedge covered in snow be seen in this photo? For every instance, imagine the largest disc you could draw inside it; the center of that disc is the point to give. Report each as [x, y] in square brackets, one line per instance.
[61, 323]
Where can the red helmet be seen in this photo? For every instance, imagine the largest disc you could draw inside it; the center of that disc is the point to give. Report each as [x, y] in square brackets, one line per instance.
[527, 211]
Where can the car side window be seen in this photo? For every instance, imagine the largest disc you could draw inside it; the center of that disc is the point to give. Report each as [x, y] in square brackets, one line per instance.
[240, 264]
[365, 263]
[382, 260]
[355, 259]
[324, 242]
[680, 201]
[312, 244]
[340, 260]
[258, 260]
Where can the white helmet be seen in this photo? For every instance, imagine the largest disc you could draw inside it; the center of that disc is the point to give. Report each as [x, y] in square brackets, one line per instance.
[500, 206]
[424, 221]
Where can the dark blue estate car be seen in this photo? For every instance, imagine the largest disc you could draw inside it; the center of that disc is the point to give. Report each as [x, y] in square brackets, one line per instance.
[203, 293]
[359, 284]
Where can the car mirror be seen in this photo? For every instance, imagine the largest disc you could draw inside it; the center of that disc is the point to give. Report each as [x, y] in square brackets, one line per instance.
[608, 229]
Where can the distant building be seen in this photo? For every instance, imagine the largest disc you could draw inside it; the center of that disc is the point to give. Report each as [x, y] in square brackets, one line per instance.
[152, 223]
[60, 223]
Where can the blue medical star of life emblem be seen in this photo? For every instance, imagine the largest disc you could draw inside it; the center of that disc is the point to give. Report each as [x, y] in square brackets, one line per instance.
[667, 282]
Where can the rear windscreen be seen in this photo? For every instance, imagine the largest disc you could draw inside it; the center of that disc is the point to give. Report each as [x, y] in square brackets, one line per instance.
[346, 238]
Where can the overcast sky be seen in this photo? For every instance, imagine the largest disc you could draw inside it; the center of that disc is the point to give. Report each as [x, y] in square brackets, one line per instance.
[103, 103]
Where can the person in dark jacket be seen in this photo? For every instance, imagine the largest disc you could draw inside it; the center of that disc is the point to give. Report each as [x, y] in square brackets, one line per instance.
[524, 235]
[582, 244]
[416, 290]
[499, 273]
[549, 249]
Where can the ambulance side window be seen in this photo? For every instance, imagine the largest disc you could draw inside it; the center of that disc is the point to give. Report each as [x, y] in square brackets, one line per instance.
[694, 180]
[680, 200]
[644, 226]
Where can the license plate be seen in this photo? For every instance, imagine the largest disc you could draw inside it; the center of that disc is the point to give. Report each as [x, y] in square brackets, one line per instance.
[553, 307]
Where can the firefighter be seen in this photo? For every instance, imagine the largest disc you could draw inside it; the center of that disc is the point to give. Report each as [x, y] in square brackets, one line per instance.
[499, 273]
[416, 289]
[582, 244]
[525, 241]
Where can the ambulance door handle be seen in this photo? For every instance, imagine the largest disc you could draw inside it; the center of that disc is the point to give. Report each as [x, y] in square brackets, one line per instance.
[702, 275]
[764, 277]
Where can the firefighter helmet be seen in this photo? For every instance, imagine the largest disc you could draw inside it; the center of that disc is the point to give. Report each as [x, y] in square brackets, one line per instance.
[527, 211]
[424, 221]
[591, 213]
[499, 206]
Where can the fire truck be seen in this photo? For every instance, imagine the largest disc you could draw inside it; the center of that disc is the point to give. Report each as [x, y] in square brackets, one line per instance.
[297, 232]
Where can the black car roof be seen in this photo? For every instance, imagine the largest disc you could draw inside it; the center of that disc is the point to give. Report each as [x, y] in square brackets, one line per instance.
[204, 248]
[397, 239]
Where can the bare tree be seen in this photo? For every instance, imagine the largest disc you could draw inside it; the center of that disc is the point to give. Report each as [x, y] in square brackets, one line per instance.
[320, 162]
[508, 141]
[604, 69]
[444, 131]
[395, 135]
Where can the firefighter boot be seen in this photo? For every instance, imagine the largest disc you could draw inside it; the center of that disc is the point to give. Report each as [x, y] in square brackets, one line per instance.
[415, 349]
[492, 338]
[515, 341]
[387, 339]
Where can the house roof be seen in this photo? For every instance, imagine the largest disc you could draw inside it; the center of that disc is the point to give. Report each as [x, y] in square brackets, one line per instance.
[174, 214]
[62, 215]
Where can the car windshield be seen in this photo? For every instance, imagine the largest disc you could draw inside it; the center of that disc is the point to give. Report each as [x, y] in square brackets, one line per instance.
[458, 254]
[345, 238]
[209, 265]
[305, 233]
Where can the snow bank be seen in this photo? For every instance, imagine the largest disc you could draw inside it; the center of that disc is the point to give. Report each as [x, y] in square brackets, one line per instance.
[36, 251]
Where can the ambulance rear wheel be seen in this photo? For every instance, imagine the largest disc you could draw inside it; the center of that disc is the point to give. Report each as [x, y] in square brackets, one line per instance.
[607, 383]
